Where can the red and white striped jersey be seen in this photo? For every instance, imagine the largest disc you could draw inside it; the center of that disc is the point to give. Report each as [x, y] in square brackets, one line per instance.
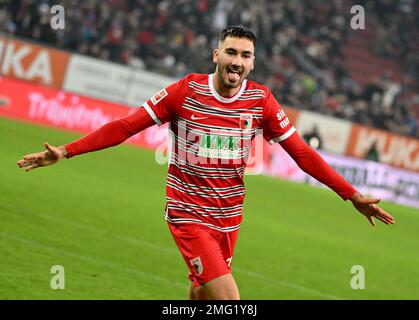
[211, 138]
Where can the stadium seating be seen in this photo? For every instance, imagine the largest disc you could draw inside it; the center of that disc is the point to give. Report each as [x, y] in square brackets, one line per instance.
[146, 34]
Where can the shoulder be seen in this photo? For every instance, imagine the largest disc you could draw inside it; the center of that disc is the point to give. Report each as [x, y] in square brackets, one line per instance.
[189, 81]
[199, 78]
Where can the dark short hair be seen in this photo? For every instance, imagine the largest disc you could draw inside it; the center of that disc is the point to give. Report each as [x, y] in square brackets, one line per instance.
[238, 32]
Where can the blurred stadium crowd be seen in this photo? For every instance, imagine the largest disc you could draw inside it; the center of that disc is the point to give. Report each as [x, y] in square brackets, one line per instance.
[307, 52]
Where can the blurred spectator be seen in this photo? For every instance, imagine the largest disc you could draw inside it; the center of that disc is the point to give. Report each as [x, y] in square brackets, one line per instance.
[372, 153]
[313, 138]
[299, 50]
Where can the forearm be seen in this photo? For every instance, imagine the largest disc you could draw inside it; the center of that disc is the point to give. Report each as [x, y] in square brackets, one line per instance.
[314, 165]
[107, 136]
[110, 134]
[319, 169]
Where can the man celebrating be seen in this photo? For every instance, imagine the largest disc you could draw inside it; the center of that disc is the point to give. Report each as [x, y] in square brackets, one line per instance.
[213, 118]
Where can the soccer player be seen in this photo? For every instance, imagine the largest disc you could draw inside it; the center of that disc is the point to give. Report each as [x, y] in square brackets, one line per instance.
[213, 117]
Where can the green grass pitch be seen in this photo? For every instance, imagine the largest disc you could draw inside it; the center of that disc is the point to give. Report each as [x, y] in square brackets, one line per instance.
[100, 216]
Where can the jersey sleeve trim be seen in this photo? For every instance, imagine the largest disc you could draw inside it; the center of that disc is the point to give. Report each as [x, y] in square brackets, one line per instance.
[151, 113]
[284, 136]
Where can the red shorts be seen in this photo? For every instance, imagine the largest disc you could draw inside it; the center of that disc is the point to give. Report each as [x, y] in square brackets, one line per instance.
[207, 252]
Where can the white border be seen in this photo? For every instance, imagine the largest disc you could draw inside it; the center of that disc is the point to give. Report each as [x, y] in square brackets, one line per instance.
[151, 113]
[284, 136]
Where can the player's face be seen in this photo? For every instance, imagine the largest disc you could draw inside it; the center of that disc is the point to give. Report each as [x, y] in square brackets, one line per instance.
[234, 58]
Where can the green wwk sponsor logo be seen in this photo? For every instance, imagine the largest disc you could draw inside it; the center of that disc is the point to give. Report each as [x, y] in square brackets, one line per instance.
[219, 146]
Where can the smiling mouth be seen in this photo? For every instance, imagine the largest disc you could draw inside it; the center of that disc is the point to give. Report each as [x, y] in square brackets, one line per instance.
[233, 75]
[234, 71]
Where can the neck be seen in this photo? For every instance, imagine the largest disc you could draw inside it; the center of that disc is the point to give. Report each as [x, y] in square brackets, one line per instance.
[221, 89]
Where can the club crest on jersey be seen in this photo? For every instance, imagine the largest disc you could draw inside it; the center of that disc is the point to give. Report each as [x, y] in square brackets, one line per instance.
[196, 263]
[158, 96]
[246, 121]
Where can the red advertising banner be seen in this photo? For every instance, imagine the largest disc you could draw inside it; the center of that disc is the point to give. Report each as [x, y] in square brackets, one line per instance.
[47, 106]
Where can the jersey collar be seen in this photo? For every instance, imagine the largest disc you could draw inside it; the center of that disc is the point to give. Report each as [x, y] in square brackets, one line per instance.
[223, 99]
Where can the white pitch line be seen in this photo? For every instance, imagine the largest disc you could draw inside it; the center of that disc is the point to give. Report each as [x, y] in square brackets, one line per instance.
[137, 241]
[290, 285]
[142, 274]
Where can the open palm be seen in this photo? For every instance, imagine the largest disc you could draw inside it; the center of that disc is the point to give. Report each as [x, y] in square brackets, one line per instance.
[41, 159]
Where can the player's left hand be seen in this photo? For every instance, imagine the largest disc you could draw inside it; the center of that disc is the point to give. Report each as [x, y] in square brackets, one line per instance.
[368, 207]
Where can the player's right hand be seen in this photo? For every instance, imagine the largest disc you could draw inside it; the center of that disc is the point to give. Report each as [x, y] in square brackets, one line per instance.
[41, 159]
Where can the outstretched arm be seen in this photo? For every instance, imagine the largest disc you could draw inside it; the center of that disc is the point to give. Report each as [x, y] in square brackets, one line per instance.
[313, 164]
[111, 134]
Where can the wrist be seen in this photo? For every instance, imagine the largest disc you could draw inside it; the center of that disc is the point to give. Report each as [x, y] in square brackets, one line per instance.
[63, 151]
[355, 196]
